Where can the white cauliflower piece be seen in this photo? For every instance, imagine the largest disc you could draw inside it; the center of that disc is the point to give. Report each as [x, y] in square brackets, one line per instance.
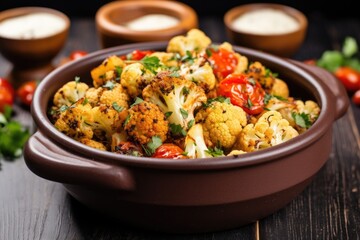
[195, 41]
[270, 130]
[70, 93]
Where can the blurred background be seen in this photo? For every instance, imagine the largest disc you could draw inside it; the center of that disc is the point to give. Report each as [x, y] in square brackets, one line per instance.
[82, 8]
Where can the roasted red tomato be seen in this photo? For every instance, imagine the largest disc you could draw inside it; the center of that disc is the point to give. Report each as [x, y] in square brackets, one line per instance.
[222, 61]
[26, 92]
[137, 54]
[77, 54]
[356, 97]
[310, 61]
[7, 94]
[169, 150]
[349, 77]
[244, 92]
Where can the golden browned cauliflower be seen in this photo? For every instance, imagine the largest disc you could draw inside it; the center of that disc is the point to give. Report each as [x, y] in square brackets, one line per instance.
[176, 97]
[75, 120]
[222, 123]
[145, 121]
[69, 93]
[259, 73]
[270, 130]
[166, 59]
[280, 88]
[109, 70]
[195, 41]
[134, 78]
[199, 72]
[93, 143]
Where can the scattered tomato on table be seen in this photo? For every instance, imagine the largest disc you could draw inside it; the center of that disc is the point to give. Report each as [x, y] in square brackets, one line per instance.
[26, 92]
[7, 94]
[345, 65]
[76, 54]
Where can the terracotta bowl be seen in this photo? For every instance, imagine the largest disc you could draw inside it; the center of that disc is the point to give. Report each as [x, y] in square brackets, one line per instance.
[111, 20]
[192, 195]
[32, 57]
[283, 44]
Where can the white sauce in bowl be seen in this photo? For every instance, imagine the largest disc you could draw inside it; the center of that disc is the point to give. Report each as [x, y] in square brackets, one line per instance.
[265, 21]
[31, 26]
[152, 22]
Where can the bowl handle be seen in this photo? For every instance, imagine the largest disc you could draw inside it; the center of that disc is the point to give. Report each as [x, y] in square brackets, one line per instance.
[48, 160]
[334, 85]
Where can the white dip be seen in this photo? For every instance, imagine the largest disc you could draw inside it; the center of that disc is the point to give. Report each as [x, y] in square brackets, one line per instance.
[152, 22]
[30, 26]
[265, 21]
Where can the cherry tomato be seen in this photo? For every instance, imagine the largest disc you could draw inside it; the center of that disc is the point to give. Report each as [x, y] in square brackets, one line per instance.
[7, 94]
[310, 62]
[243, 92]
[356, 97]
[137, 54]
[223, 61]
[169, 150]
[349, 77]
[76, 54]
[26, 92]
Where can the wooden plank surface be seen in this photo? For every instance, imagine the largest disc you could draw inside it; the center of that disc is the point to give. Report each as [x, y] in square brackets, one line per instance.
[329, 208]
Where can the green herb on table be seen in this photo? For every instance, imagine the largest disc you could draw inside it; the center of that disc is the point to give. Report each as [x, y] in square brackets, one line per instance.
[13, 136]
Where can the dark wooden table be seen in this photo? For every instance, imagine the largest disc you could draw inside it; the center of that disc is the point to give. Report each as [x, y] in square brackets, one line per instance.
[329, 208]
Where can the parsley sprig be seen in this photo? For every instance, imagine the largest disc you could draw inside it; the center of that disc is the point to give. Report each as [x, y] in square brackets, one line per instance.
[13, 136]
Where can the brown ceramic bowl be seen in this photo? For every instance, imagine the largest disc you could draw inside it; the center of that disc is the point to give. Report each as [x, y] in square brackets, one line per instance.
[111, 20]
[283, 44]
[32, 57]
[192, 195]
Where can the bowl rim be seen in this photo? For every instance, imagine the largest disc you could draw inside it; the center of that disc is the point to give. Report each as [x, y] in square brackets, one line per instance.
[232, 13]
[318, 129]
[18, 11]
[187, 18]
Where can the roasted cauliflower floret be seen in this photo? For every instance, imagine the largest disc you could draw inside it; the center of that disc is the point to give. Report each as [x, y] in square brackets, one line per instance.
[93, 143]
[176, 97]
[199, 72]
[69, 93]
[75, 120]
[107, 121]
[109, 69]
[145, 121]
[195, 41]
[114, 94]
[305, 114]
[195, 146]
[270, 130]
[261, 74]
[134, 78]
[280, 88]
[222, 123]
[166, 59]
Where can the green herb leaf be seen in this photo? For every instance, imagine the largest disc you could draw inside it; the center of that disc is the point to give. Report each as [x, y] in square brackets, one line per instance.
[13, 136]
[151, 63]
[301, 119]
[168, 114]
[109, 85]
[350, 47]
[331, 60]
[137, 101]
[215, 152]
[77, 79]
[116, 106]
[184, 113]
[177, 130]
[118, 72]
[151, 146]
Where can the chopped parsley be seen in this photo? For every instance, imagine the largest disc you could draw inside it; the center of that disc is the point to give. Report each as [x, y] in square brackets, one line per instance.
[116, 106]
[301, 119]
[151, 63]
[151, 146]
